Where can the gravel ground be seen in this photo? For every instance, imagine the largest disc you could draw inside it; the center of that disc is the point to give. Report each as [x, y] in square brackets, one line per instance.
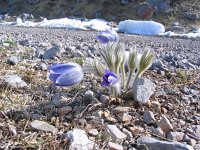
[36, 115]
[189, 47]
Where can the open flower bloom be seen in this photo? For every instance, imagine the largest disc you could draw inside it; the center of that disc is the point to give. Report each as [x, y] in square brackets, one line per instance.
[109, 78]
[109, 35]
[67, 74]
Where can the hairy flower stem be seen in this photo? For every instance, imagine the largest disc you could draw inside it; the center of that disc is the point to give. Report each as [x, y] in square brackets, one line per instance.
[123, 75]
[117, 68]
[116, 90]
[130, 75]
[112, 90]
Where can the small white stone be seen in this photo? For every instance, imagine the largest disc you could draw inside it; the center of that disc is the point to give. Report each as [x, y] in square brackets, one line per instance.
[114, 146]
[115, 133]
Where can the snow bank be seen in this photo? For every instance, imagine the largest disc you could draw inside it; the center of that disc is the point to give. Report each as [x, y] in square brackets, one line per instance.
[127, 26]
[194, 34]
[94, 24]
[140, 27]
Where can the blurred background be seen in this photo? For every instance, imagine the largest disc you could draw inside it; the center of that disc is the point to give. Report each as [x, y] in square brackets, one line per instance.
[185, 12]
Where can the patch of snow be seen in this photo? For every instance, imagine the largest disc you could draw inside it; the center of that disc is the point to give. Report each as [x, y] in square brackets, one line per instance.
[194, 34]
[141, 27]
[63, 23]
[94, 24]
[97, 24]
[127, 26]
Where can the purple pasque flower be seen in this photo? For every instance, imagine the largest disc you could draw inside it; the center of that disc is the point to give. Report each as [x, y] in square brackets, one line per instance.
[109, 78]
[109, 35]
[67, 74]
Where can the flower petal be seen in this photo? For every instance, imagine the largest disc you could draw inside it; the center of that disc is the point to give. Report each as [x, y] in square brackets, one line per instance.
[102, 39]
[70, 77]
[53, 77]
[105, 83]
[108, 73]
[61, 68]
[112, 80]
[109, 35]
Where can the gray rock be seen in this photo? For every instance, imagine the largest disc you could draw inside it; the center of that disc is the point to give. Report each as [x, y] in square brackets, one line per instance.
[43, 126]
[13, 60]
[56, 50]
[158, 131]
[115, 134]
[175, 136]
[154, 144]
[148, 117]
[79, 140]
[142, 90]
[165, 125]
[14, 81]
[128, 133]
[104, 99]
[124, 117]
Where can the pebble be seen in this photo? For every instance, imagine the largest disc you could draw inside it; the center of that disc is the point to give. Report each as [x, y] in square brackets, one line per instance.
[114, 146]
[154, 144]
[165, 125]
[93, 132]
[104, 99]
[128, 133]
[65, 110]
[192, 142]
[43, 126]
[175, 136]
[158, 131]
[142, 90]
[56, 50]
[14, 81]
[148, 117]
[98, 114]
[124, 117]
[13, 60]
[79, 140]
[115, 134]
[136, 130]
[120, 109]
